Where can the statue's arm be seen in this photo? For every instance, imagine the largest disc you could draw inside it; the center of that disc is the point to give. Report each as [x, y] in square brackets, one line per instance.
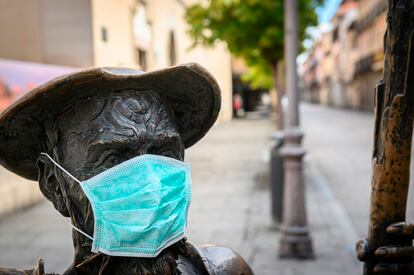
[223, 260]
[39, 270]
[13, 271]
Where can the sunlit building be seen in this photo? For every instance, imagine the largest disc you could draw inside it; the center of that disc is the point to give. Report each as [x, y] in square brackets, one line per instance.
[346, 61]
[344, 52]
[370, 29]
[41, 39]
[126, 33]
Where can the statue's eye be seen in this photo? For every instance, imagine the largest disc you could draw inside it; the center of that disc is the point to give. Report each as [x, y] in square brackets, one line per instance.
[168, 153]
[106, 159]
[163, 151]
[113, 160]
[109, 161]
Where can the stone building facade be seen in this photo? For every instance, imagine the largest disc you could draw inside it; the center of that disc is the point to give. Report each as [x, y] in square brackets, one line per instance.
[74, 34]
[124, 33]
[355, 54]
[370, 30]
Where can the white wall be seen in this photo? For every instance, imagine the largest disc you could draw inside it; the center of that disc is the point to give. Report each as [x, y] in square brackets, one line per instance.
[167, 16]
[67, 32]
[116, 17]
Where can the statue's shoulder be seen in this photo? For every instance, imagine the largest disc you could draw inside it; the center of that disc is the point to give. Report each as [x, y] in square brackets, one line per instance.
[222, 260]
[218, 260]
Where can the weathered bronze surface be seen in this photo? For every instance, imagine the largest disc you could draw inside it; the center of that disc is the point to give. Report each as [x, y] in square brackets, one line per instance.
[392, 259]
[101, 130]
[392, 147]
[188, 90]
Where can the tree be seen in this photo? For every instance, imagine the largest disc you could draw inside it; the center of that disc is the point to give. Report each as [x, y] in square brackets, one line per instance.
[252, 30]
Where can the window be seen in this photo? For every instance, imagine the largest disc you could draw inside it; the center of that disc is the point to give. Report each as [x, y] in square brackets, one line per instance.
[335, 34]
[104, 34]
[142, 59]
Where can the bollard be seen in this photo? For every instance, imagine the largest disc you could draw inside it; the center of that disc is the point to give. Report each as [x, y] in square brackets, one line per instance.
[276, 179]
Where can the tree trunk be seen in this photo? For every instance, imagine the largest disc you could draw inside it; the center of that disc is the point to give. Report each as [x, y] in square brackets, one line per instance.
[279, 93]
[393, 130]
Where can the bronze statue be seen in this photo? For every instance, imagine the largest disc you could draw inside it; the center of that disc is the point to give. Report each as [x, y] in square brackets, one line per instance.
[391, 259]
[388, 248]
[93, 120]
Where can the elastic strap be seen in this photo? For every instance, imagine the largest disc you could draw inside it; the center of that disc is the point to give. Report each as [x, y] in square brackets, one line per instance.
[77, 229]
[75, 179]
[63, 169]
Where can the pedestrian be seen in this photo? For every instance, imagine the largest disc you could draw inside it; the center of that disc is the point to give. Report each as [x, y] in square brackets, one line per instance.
[238, 110]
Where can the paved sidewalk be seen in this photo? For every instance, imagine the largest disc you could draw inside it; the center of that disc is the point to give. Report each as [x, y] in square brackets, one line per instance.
[339, 143]
[230, 207]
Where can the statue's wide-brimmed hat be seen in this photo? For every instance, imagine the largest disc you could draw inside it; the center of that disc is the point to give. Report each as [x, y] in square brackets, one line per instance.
[189, 90]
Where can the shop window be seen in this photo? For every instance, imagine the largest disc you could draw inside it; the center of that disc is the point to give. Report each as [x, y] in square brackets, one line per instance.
[142, 59]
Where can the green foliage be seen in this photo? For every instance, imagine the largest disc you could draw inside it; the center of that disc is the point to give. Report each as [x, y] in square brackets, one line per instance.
[252, 29]
[258, 76]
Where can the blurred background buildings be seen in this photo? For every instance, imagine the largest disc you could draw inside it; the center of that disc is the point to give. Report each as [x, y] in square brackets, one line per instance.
[42, 39]
[346, 60]
[148, 35]
[49, 38]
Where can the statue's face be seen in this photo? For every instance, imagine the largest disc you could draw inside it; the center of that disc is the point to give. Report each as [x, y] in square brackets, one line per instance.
[103, 131]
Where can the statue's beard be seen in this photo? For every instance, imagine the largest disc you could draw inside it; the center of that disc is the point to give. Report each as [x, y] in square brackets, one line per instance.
[102, 264]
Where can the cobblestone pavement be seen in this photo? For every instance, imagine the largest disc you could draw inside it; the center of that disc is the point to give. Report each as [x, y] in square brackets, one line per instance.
[231, 207]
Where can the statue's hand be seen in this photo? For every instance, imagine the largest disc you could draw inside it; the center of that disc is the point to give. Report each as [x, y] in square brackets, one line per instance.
[390, 257]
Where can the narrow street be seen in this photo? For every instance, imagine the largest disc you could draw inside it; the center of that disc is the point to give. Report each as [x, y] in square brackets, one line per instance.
[339, 143]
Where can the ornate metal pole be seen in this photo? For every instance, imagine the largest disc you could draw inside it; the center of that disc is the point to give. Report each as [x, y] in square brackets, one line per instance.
[393, 131]
[295, 241]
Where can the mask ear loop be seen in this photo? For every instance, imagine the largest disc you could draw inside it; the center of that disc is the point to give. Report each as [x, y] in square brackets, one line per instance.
[75, 179]
[77, 229]
[63, 169]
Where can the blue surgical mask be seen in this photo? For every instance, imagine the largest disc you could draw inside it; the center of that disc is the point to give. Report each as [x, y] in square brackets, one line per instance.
[140, 206]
